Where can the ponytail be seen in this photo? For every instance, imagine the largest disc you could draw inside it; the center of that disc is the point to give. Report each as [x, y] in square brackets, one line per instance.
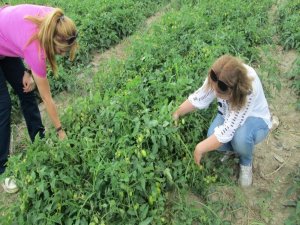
[50, 27]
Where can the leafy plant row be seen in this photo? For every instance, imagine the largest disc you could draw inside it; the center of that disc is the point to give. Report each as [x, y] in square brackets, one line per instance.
[289, 33]
[288, 29]
[293, 193]
[124, 155]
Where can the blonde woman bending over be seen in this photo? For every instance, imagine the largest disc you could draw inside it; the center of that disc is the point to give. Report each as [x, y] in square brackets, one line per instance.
[34, 34]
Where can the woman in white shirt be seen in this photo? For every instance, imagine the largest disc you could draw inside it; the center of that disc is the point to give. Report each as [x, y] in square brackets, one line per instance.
[243, 117]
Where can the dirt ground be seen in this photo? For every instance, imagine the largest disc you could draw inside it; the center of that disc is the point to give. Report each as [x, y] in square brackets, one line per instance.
[275, 159]
[278, 156]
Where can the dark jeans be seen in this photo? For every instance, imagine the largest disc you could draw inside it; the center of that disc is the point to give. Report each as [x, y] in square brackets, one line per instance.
[12, 71]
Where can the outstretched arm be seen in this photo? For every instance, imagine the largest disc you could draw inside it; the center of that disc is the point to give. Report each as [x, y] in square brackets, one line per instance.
[183, 109]
[44, 90]
[200, 99]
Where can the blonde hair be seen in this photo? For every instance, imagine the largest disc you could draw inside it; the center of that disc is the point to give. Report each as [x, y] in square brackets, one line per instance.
[232, 72]
[54, 30]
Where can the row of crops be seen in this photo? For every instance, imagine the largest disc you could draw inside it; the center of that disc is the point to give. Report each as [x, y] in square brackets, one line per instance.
[289, 33]
[124, 156]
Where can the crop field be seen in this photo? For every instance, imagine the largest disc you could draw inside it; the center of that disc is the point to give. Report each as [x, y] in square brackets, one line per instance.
[125, 161]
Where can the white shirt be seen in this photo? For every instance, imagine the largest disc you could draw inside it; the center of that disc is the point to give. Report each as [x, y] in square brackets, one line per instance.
[256, 106]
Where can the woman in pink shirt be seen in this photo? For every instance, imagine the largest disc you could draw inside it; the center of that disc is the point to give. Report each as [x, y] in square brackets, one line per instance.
[35, 34]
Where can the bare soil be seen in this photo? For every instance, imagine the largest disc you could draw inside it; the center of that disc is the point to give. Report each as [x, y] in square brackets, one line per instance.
[278, 156]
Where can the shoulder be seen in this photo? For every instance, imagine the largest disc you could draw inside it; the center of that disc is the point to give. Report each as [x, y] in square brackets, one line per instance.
[250, 71]
[256, 82]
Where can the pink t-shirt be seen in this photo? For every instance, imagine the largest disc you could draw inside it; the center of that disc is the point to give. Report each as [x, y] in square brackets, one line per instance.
[16, 31]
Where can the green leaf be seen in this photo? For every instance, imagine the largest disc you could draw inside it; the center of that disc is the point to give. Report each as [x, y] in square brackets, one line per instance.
[144, 211]
[290, 191]
[143, 184]
[146, 221]
[298, 208]
[153, 123]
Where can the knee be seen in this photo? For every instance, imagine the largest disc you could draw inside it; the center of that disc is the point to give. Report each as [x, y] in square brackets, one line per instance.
[242, 144]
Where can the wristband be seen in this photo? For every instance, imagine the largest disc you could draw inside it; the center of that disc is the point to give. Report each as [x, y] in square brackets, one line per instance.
[58, 129]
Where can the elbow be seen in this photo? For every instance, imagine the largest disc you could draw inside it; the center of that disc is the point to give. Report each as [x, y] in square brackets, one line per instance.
[222, 139]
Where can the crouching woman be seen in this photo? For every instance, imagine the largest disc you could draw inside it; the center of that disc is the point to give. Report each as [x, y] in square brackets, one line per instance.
[243, 118]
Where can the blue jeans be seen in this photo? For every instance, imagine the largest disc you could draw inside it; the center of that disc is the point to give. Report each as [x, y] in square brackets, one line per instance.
[12, 71]
[253, 131]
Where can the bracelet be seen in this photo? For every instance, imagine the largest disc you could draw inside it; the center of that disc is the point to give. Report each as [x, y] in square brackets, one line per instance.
[28, 70]
[58, 129]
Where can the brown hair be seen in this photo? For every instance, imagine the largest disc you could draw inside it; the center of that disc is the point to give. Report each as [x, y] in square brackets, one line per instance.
[54, 30]
[232, 72]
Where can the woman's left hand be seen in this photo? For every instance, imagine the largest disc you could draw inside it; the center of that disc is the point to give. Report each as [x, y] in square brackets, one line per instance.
[28, 83]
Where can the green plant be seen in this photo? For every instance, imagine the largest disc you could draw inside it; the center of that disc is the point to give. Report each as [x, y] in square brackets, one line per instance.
[288, 29]
[294, 193]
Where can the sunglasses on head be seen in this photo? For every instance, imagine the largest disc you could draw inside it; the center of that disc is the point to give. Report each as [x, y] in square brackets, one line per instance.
[221, 85]
[70, 40]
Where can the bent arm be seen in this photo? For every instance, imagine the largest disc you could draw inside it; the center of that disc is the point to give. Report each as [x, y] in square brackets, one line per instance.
[209, 144]
[200, 99]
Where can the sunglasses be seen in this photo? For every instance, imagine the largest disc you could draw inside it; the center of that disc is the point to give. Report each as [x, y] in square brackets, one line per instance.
[221, 85]
[70, 40]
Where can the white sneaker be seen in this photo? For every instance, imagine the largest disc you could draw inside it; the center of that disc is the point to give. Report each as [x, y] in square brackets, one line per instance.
[245, 179]
[275, 122]
[9, 185]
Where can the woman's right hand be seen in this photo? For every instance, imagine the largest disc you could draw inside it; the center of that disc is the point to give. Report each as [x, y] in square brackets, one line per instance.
[182, 110]
[175, 117]
[62, 135]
